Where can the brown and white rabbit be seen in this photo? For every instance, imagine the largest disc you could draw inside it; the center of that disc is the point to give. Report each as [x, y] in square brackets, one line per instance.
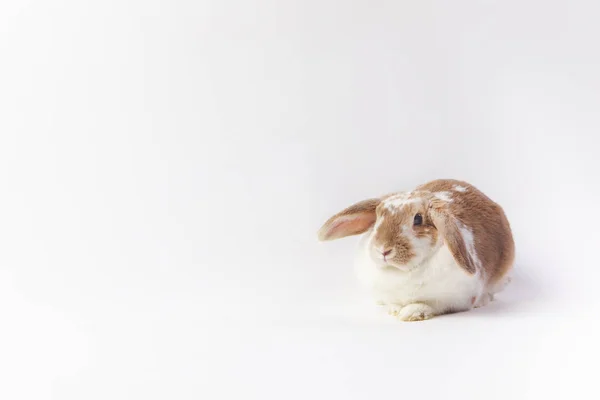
[444, 247]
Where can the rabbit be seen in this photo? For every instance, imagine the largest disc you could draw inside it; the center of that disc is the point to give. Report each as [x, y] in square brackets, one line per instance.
[444, 247]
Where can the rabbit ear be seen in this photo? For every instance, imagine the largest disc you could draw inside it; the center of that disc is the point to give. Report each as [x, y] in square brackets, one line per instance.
[354, 220]
[457, 236]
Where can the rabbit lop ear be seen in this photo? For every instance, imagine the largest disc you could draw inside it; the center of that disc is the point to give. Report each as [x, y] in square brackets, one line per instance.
[354, 220]
[457, 236]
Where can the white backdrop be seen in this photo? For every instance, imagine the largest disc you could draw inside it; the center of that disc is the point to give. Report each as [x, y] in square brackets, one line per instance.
[164, 167]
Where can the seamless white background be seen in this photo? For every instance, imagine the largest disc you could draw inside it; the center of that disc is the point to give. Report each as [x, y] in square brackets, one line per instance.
[164, 167]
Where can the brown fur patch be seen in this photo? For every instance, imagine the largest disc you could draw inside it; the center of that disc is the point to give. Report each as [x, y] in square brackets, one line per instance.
[388, 235]
[492, 235]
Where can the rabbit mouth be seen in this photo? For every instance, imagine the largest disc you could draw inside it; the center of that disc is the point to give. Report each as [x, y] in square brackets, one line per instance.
[391, 264]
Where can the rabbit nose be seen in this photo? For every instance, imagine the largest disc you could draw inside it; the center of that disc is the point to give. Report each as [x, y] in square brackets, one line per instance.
[386, 253]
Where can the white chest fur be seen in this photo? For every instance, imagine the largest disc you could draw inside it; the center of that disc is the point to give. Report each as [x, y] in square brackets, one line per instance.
[439, 282]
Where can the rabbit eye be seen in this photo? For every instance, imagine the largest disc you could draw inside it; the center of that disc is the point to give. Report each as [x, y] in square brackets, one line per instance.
[418, 219]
